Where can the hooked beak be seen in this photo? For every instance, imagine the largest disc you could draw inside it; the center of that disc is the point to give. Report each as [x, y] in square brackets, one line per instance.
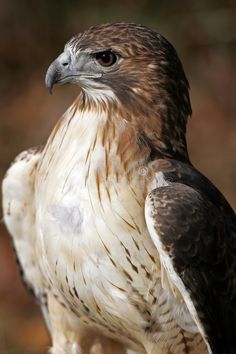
[59, 71]
[67, 68]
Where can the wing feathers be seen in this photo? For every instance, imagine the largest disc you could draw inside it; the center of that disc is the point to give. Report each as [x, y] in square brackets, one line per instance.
[194, 240]
[19, 214]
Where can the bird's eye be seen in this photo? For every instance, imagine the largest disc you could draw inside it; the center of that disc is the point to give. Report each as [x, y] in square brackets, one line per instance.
[106, 58]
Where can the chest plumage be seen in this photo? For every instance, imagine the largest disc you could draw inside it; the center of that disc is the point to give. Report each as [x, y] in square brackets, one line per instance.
[92, 232]
[91, 217]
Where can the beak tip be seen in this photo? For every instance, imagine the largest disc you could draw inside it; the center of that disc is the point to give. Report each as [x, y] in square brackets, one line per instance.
[50, 77]
[49, 84]
[49, 89]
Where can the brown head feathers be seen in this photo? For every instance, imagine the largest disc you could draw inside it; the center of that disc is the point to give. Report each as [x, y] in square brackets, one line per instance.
[149, 82]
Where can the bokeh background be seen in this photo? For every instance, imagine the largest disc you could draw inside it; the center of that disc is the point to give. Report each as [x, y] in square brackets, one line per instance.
[33, 33]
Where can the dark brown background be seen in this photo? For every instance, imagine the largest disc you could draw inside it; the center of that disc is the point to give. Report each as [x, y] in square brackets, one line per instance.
[33, 33]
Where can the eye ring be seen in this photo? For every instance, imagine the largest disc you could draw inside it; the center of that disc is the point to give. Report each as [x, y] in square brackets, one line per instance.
[106, 58]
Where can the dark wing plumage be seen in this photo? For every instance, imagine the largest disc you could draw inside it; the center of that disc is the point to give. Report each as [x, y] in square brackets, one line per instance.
[197, 232]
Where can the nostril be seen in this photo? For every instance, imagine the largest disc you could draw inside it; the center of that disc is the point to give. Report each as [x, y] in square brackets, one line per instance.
[64, 60]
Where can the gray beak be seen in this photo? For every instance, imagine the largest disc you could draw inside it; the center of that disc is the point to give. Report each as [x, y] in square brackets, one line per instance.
[59, 71]
[70, 68]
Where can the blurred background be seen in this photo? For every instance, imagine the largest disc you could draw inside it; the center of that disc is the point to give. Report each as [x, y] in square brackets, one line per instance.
[33, 33]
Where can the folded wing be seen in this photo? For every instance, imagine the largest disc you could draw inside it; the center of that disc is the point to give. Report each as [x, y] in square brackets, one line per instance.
[19, 217]
[196, 240]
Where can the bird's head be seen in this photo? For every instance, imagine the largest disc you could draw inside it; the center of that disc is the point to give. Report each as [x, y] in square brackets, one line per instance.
[129, 65]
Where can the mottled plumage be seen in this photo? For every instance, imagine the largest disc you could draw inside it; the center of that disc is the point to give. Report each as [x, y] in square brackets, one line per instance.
[126, 245]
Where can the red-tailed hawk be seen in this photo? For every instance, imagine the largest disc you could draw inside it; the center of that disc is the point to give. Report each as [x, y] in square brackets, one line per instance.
[116, 232]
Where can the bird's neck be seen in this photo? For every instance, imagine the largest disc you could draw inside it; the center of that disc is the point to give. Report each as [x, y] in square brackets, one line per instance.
[166, 142]
[100, 142]
[161, 130]
[108, 140]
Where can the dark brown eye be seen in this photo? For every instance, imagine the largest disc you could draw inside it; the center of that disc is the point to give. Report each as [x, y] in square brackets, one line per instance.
[106, 58]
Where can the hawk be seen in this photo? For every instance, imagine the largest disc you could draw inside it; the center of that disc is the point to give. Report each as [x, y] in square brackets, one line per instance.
[117, 234]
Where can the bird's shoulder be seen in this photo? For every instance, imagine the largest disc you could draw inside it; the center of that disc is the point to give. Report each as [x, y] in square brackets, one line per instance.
[194, 227]
[195, 221]
[18, 190]
[175, 172]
